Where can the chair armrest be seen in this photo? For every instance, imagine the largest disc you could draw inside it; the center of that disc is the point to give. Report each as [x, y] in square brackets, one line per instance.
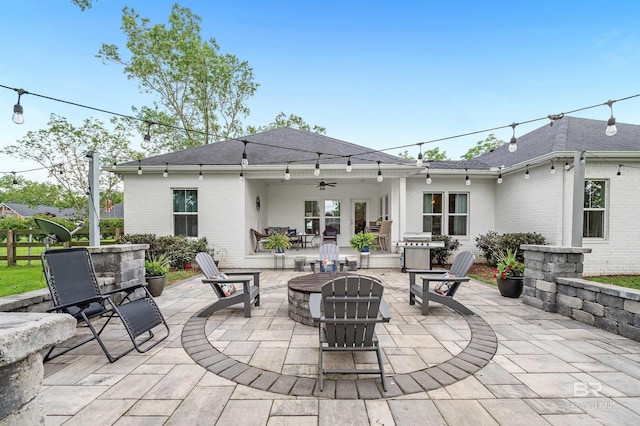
[79, 303]
[315, 299]
[247, 272]
[443, 279]
[128, 289]
[232, 280]
[385, 313]
[414, 272]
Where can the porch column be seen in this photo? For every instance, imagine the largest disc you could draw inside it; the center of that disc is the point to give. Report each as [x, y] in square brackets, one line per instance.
[578, 199]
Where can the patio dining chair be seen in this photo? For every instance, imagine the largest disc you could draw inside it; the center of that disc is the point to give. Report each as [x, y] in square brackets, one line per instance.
[74, 288]
[352, 306]
[447, 285]
[223, 282]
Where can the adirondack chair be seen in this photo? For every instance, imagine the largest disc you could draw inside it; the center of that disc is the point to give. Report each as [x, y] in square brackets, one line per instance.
[454, 277]
[329, 257]
[74, 289]
[212, 276]
[353, 305]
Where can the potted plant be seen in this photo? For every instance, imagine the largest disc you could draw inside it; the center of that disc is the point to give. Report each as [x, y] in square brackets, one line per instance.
[509, 274]
[278, 242]
[155, 271]
[363, 241]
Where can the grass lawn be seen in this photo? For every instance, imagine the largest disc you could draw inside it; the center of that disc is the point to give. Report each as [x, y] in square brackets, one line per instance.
[23, 278]
[630, 281]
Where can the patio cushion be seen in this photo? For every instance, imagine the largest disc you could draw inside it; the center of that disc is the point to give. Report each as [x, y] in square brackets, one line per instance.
[226, 288]
[444, 287]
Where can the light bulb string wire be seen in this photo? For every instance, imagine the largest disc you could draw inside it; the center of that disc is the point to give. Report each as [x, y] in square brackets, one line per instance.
[327, 156]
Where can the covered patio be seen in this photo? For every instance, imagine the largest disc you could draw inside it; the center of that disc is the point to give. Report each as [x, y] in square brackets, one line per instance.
[544, 368]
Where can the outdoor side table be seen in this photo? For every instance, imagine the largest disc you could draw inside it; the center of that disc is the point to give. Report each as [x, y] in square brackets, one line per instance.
[276, 257]
[364, 256]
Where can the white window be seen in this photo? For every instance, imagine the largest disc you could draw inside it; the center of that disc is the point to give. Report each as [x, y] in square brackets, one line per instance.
[458, 214]
[312, 217]
[332, 215]
[595, 210]
[185, 212]
[432, 213]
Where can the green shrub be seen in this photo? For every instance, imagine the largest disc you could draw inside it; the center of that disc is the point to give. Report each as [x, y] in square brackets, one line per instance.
[492, 244]
[441, 255]
[179, 250]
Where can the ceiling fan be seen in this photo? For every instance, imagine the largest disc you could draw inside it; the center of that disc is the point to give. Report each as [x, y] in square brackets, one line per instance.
[323, 185]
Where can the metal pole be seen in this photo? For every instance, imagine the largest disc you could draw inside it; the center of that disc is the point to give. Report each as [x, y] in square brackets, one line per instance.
[578, 199]
[94, 198]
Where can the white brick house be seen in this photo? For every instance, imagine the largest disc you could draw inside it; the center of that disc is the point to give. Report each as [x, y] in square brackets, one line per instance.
[227, 205]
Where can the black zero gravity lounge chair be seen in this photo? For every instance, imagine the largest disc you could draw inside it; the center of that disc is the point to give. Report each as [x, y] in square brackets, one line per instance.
[353, 306]
[74, 288]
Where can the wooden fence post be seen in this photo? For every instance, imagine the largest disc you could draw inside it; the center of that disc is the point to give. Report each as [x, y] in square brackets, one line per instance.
[11, 249]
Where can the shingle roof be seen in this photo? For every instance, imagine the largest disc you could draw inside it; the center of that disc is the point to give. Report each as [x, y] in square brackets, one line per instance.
[26, 211]
[277, 146]
[569, 134]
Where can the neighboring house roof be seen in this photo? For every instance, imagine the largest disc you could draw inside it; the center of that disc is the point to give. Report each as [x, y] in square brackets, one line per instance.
[570, 134]
[117, 211]
[23, 210]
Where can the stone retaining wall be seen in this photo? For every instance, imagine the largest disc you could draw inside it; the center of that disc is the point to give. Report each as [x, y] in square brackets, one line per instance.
[553, 282]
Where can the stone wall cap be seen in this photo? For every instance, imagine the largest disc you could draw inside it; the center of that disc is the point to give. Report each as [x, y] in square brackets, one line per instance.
[24, 333]
[613, 290]
[117, 248]
[555, 249]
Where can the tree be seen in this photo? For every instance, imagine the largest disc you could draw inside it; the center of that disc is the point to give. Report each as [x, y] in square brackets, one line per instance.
[294, 121]
[62, 150]
[30, 193]
[200, 91]
[482, 147]
[435, 155]
[405, 155]
[83, 4]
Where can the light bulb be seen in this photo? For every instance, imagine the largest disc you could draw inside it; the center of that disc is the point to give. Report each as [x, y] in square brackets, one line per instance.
[467, 181]
[567, 166]
[500, 179]
[18, 118]
[139, 171]
[611, 127]
[419, 161]
[380, 178]
[287, 175]
[200, 176]
[349, 168]
[316, 172]
[165, 174]
[145, 141]
[115, 166]
[526, 174]
[513, 147]
[244, 161]
[553, 170]
[428, 179]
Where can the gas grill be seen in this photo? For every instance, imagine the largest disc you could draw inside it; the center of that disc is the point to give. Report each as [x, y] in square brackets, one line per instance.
[416, 248]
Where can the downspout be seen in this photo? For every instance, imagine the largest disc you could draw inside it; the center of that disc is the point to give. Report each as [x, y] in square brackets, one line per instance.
[578, 199]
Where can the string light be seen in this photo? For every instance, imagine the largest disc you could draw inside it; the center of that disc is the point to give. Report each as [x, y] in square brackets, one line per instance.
[512, 144]
[349, 168]
[419, 160]
[115, 165]
[15, 180]
[245, 161]
[287, 175]
[500, 178]
[553, 168]
[467, 181]
[200, 175]
[619, 166]
[526, 173]
[166, 170]
[241, 177]
[139, 168]
[147, 138]
[380, 178]
[18, 118]
[316, 171]
[428, 177]
[555, 117]
[611, 123]
[566, 165]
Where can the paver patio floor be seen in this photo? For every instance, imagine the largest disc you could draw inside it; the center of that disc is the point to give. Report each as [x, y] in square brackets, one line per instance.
[441, 368]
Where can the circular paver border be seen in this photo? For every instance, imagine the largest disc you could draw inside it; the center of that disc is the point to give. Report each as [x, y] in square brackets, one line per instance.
[481, 348]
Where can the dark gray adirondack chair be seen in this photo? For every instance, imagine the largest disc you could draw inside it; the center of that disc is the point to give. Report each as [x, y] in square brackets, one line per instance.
[461, 265]
[352, 307]
[248, 294]
[74, 288]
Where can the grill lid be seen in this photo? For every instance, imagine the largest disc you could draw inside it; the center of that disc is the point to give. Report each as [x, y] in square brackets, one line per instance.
[417, 236]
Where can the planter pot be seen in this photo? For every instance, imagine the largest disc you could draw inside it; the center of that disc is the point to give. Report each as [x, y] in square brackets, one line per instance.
[156, 285]
[279, 250]
[510, 287]
[365, 250]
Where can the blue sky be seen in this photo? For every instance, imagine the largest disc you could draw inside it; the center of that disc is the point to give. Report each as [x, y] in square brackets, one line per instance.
[376, 73]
